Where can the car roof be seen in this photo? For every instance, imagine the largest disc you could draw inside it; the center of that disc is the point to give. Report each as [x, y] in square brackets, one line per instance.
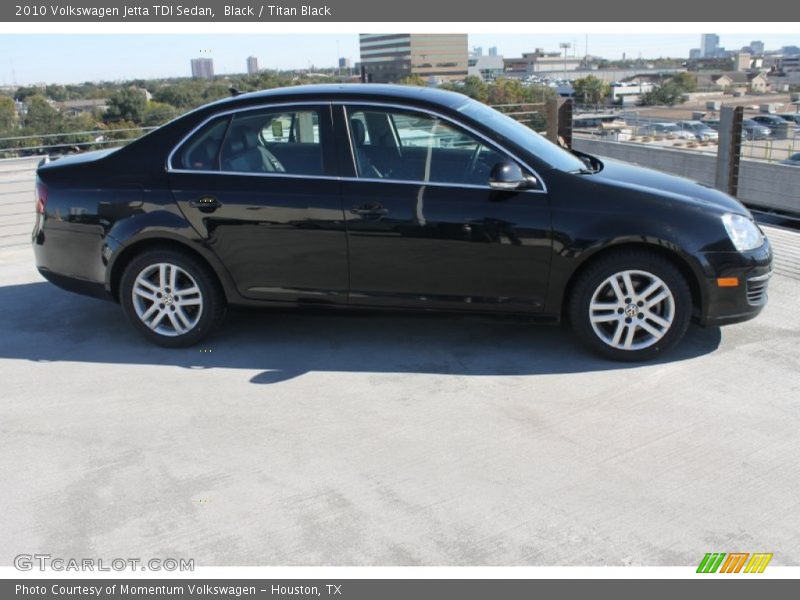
[349, 91]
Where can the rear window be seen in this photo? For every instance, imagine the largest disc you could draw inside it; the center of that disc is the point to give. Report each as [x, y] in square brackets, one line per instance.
[201, 152]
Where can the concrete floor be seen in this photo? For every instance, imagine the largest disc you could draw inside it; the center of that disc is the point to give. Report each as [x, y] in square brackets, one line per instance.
[390, 440]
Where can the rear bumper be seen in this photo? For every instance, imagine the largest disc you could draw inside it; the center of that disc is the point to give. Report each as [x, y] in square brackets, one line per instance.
[725, 305]
[73, 284]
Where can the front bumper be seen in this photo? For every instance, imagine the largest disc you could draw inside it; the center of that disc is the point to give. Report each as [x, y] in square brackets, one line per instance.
[728, 304]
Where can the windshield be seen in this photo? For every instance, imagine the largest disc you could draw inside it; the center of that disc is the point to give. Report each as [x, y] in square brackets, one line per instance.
[556, 157]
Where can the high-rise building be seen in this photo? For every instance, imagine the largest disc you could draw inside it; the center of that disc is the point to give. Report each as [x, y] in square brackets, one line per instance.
[252, 65]
[493, 51]
[709, 43]
[388, 57]
[344, 63]
[477, 51]
[757, 47]
[203, 68]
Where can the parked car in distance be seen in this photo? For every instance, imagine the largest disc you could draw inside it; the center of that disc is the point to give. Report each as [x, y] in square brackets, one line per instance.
[791, 117]
[793, 160]
[773, 122]
[392, 197]
[700, 130]
[753, 130]
[711, 123]
[666, 130]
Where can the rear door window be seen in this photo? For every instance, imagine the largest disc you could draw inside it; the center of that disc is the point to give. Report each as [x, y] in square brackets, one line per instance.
[201, 151]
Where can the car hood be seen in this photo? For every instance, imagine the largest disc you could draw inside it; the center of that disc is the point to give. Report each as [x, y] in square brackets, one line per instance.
[679, 189]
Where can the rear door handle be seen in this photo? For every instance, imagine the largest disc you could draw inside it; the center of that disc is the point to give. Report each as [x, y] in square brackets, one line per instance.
[205, 204]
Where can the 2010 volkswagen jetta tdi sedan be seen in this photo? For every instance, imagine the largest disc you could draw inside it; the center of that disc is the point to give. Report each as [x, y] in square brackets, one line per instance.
[374, 196]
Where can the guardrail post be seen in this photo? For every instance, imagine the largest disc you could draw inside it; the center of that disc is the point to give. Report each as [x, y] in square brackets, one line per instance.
[559, 120]
[729, 150]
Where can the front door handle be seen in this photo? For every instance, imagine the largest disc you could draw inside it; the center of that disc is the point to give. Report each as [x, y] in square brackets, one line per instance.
[370, 210]
[206, 204]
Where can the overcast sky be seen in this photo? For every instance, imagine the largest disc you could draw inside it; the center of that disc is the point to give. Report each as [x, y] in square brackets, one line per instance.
[26, 59]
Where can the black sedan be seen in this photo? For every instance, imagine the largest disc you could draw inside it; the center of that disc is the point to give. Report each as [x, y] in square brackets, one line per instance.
[369, 196]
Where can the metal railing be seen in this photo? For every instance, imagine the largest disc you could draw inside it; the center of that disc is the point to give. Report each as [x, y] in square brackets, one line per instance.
[10, 147]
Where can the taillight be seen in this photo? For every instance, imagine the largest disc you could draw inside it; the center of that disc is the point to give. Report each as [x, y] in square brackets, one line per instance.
[41, 196]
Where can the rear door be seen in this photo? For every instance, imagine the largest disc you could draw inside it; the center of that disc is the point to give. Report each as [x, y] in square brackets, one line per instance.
[260, 185]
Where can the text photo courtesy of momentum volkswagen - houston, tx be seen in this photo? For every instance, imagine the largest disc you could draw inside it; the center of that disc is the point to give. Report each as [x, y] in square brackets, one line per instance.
[337, 301]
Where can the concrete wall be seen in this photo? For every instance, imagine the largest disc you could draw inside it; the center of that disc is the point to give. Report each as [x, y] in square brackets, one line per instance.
[760, 184]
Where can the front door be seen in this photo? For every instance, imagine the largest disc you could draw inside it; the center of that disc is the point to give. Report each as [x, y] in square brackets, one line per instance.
[423, 225]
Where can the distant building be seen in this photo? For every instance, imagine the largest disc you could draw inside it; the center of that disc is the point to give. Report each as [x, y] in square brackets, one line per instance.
[736, 80]
[742, 61]
[487, 67]
[389, 57]
[756, 48]
[710, 64]
[252, 65]
[787, 64]
[203, 68]
[477, 50]
[344, 63]
[694, 54]
[539, 61]
[493, 51]
[709, 44]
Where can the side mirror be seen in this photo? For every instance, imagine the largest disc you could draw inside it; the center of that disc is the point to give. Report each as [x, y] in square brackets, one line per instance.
[508, 175]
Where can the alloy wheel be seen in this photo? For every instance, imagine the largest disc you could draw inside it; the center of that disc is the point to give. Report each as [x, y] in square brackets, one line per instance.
[632, 310]
[167, 299]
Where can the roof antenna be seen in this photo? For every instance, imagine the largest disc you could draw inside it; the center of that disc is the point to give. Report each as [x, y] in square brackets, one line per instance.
[234, 92]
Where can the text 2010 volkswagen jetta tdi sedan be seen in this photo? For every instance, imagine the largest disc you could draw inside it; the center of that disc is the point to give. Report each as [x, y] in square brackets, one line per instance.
[392, 197]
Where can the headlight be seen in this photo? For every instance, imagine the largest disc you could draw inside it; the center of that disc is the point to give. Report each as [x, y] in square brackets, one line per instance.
[743, 232]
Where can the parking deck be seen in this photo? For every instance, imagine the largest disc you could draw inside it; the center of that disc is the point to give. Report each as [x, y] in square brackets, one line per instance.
[358, 440]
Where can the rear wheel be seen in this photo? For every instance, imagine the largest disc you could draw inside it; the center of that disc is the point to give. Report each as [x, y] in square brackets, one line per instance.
[631, 305]
[171, 298]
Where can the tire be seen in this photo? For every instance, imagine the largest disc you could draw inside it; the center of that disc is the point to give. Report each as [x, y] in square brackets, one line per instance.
[603, 315]
[164, 317]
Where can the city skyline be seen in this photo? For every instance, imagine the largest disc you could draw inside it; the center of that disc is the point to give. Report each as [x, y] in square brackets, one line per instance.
[79, 58]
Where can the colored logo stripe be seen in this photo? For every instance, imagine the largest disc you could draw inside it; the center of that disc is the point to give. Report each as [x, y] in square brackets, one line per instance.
[711, 562]
[758, 563]
[734, 562]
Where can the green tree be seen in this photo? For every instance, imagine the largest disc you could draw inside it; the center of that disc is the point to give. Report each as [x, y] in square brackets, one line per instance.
[687, 82]
[672, 91]
[475, 88]
[41, 117]
[181, 96]
[413, 80]
[591, 90]
[158, 113]
[8, 114]
[668, 94]
[127, 104]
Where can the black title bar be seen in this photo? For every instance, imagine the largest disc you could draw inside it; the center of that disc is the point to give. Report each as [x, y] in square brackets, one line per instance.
[277, 11]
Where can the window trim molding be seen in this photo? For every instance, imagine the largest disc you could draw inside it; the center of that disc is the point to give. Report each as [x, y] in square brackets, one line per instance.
[344, 104]
[228, 113]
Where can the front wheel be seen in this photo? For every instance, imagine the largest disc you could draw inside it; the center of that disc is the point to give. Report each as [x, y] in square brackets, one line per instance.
[631, 305]
[171, 298]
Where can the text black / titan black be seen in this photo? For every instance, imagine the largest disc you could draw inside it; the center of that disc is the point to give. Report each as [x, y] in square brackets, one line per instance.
[396, 197]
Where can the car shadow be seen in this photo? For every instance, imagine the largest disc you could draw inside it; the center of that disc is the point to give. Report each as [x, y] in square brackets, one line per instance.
[45, 324]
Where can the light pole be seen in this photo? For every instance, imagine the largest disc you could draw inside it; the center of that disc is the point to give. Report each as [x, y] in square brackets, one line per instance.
[565, 46]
